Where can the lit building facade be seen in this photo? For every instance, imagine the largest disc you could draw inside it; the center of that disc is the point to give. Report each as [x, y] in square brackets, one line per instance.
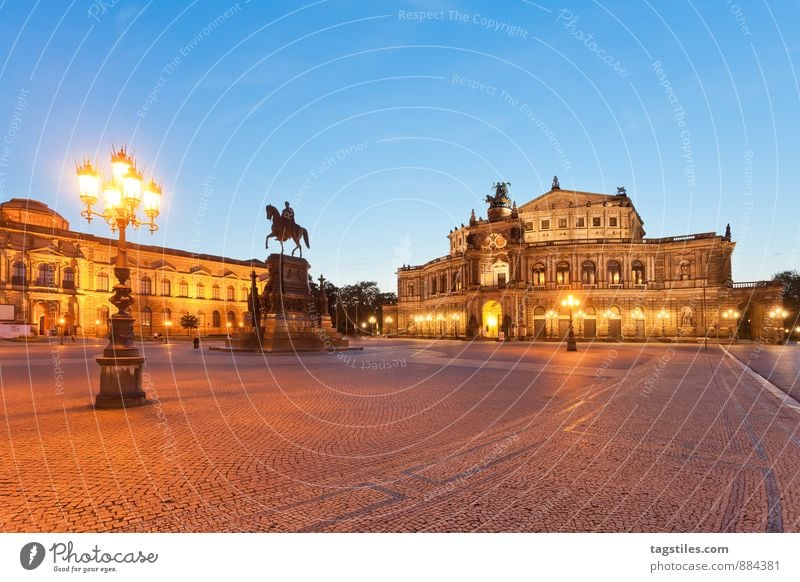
[508, 274]
[59, 281]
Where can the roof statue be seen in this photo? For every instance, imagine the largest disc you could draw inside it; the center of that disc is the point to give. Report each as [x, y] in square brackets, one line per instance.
[556, 185]
[500, 198]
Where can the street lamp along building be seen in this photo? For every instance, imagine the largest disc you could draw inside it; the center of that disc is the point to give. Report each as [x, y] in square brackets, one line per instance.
[49, 272]
[506, 275]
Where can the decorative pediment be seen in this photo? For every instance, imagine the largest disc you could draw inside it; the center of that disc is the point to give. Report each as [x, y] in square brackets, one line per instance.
[199, 270]
[565, 199]
[162, 265]
[229, 274]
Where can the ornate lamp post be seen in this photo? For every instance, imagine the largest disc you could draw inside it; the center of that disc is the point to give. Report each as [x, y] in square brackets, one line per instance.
[167, 325]
[455, 318]
[663, 315]
[781, 314]
[123, 194]
[733, 327]
[372, 321]
[440, 319]
[551, 315]
[570, 302]
[580, 315]
[387, 324]
[429, 319]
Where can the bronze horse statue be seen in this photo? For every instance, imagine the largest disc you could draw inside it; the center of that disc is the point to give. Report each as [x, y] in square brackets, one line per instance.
[284, 229]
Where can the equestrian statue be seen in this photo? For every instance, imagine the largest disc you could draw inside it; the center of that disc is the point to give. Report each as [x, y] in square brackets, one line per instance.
[284, 228]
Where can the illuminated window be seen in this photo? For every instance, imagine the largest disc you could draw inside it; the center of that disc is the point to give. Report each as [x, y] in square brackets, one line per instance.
[101, 281]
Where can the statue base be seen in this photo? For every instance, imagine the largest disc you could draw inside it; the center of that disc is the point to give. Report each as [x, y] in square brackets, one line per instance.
[290, 322]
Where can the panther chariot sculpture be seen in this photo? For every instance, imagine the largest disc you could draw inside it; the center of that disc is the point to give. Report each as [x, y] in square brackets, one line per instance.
[284, 228]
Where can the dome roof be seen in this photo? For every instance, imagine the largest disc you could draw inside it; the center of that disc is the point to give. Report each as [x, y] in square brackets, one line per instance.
[27, 211]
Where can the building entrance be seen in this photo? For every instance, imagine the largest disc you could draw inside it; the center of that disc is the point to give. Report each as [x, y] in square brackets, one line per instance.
[492, 316]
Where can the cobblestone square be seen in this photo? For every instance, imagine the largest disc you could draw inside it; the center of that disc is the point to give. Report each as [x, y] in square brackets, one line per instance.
[406, 435]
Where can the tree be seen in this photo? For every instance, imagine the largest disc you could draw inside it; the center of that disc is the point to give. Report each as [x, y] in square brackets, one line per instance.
[791, 289]
[189, 321]
[356, 303]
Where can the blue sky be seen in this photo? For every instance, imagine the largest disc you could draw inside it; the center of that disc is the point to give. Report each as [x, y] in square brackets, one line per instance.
[385, 123]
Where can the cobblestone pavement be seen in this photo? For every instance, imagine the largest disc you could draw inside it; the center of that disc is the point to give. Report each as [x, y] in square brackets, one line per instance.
[778, 364]
[404, 436]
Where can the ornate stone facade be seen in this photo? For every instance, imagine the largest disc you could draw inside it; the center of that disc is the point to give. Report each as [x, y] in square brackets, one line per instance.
[50, 273]
[509, 273]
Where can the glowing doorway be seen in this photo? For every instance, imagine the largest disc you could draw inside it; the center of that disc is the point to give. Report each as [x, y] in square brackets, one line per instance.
[492, 316]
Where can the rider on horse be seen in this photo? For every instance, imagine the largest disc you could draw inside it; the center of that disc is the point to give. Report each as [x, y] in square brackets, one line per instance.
[288, 212]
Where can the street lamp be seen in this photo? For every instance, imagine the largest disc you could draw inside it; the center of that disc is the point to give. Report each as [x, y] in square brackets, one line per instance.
[372, 321]
[96, 323]
[580, 315]
[440, 319]
[455, 319]
[570, 302]
[734, 315]
[663, 315]
[167, 325]
[551, 315]
[61, 329]
[387, 325]
[123, 194]
[779, 313]
[429, 319]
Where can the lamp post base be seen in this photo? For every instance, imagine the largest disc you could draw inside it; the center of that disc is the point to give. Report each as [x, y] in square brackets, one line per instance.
[571, 345]
[120, 382]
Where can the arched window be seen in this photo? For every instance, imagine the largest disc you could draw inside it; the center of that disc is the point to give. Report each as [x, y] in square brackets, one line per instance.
[147, 316]
[243, 294]
[166, 315]
[166, 287]
[68, 279]
[562, 273]
[232, 318]
[101, 281]
[215, 322]
[201, 291]
[18, 273]
[146, 286]
[588, 273]
[215, 292]
[102, 315]
[45, 277]
[183, 288]
[637, 273]
[539, 278]
[443, 282]
[231, 293]
[614, 273]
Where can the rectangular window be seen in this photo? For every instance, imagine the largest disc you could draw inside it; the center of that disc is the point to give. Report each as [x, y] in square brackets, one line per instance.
[545, 225]
[529, 226]
[562, 223]
[501, 278]
[581, 222]
[612, 221]
[596, 221]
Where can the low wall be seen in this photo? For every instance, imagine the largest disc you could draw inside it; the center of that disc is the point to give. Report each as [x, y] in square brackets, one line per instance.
[12, 330]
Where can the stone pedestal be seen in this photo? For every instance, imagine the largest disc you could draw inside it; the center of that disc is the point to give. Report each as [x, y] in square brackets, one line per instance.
[120, 368]
[290, 319]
